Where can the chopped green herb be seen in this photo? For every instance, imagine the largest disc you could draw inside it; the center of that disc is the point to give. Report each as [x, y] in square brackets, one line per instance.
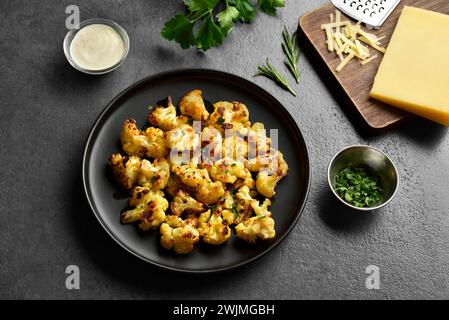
[220, 121]
[358, 188]
[234, 211]
[261, 216]
[233, 165]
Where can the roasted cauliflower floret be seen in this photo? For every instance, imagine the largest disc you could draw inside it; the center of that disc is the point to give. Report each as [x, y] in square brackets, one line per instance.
[165, 117]
[268, 177]
[261, 226]
[180, 238]
[139, 143]
[229, 115]
[154, 175]
[258, 142]
[216, 230]
[242, 206]
[125, 170]
[228, 171]
[206, 191]
[134, 142]
[256, 227]
[235, 148]
[192, 105]
[211, 145]
[210, 192]
[156, 147]
[149, 208]
[183, 202]
[182, 138]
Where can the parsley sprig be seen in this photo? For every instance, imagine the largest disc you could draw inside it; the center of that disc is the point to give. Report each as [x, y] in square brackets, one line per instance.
[216, 19]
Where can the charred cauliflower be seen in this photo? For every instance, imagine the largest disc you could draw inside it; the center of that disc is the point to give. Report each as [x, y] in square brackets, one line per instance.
[192, 105]
[165, 117]
[256, 227]
[182, 138]
[125, 170]
[216, 230]
[181, 236]
[228, 171]
[268, 177]
[139, 143]
[154, 175]
[229, 115]
[182, 202]
[148, 208]
[261, 226]
[206, 191]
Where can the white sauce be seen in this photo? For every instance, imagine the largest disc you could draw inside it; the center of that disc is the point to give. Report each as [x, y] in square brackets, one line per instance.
[97, 47]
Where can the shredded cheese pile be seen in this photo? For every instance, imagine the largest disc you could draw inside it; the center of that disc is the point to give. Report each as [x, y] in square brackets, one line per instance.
[348, 40]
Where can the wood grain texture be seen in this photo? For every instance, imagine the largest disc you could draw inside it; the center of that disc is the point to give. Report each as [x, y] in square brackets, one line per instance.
[356, 80]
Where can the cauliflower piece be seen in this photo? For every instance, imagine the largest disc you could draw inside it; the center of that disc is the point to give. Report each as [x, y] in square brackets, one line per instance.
[258, 142]
[175, 184]
[182, 138]
[229, 115]
[261, 226]
[183, 202]
[206, 191]
[216, 230]
[139, 143]
[228, 171]
[211, 145]
[268, 177]
[179, 236]
[235, 148]
[192, 105]
[165, 118]
[156, 147]
[210, 192]
[154, 175]
[134, 143]
[242, 207]
[149, 208]
[125, 170]
[256, 227]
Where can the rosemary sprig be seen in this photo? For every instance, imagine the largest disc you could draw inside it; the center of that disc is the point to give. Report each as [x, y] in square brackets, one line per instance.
[291, 51]
[270, 72]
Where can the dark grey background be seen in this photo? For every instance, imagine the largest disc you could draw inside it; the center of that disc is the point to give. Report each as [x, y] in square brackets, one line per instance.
[47, 109]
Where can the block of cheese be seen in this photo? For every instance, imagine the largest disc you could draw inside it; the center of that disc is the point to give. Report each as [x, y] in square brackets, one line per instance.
[414, 73]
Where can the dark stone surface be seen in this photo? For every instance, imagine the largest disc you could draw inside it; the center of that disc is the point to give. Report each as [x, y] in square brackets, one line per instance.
[47, 109]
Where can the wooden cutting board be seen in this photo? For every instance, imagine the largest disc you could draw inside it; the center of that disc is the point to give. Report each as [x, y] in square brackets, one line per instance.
[355, 81]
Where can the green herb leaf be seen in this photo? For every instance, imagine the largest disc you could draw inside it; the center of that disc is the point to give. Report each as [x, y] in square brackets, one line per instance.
[220, 121]
[270, 72]
[358, 188]
[234, 211]
[291, 51]
[209, 35]
[180, 29]
[227, 17]
[261, 216]
[246, 9]
[269, 6]
[198, 5]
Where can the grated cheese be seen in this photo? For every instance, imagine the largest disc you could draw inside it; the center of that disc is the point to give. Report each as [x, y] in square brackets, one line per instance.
[345, 40]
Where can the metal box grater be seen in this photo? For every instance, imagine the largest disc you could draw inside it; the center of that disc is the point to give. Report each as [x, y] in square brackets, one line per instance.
[372, 13]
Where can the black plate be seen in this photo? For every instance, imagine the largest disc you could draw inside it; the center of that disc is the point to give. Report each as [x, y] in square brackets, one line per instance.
[216, 85]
